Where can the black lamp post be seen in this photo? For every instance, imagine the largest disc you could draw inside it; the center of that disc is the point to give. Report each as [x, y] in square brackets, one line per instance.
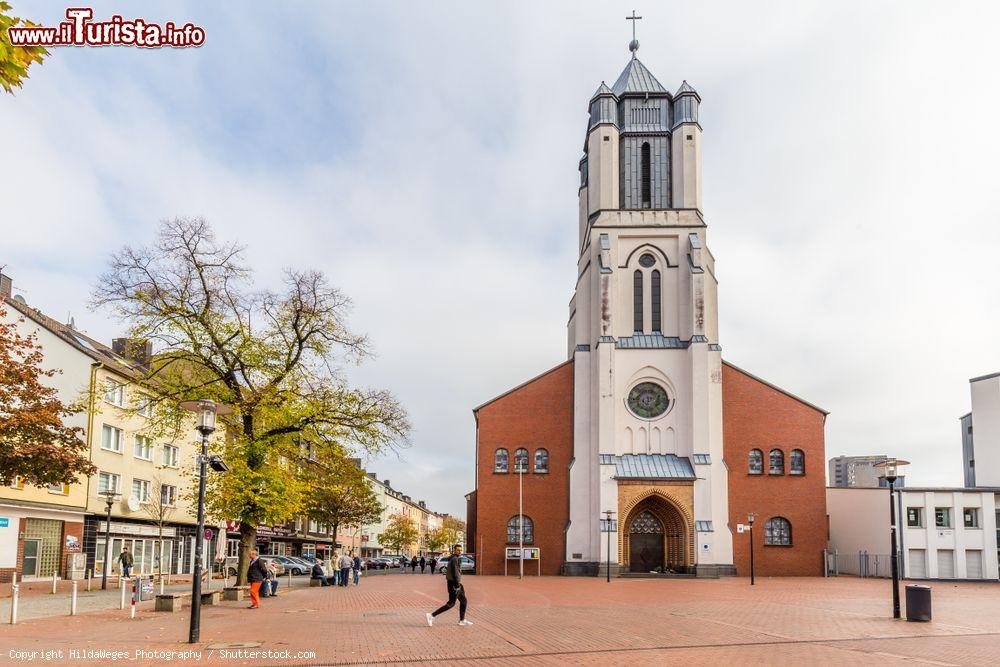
[607, 526]
[750, 517]
[891, 468]
[109, 499]
[206, 411]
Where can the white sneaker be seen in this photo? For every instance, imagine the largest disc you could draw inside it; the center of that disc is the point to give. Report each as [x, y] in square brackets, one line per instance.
[466, 622]
[430, 620]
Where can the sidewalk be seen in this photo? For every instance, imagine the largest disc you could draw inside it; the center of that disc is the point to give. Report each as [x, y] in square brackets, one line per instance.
[39, 602]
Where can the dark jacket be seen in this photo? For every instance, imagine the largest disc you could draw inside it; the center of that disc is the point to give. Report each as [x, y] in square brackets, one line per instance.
[125, 558]
[257, 571]
[317, 572]
[357, 562]
[453, 572]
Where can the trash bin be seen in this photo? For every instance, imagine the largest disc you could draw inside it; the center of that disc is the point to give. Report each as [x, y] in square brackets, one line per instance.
[918, 603]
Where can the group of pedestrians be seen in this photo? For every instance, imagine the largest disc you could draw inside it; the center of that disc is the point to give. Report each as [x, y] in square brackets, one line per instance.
[416, 562]
[341, 575]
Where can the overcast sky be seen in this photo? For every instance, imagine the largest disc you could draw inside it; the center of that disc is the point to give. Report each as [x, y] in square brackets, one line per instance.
[424, 156]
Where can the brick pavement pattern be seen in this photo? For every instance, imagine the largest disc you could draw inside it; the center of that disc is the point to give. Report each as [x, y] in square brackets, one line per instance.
[562, 621]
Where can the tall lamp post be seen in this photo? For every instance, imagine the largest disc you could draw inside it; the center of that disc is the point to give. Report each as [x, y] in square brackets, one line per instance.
[607, 526]
[891, 473]
[750, 517]
[109, 499]
[206, 410]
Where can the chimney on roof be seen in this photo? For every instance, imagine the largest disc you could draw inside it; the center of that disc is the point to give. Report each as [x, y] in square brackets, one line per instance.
[386, 482]
[373, 476]
[422, 504]
[136, 350]
[6, 286]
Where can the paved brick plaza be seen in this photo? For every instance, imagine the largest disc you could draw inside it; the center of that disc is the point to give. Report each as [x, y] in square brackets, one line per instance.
[559, 620]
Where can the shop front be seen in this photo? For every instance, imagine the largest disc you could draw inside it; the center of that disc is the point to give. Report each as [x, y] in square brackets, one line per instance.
[174, 553]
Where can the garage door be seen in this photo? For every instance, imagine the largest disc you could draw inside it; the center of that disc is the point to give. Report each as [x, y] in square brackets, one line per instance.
[918, 564]
[946, 563]
[973, 564]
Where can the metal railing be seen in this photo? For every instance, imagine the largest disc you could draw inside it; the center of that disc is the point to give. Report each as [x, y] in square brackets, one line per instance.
[858, 564]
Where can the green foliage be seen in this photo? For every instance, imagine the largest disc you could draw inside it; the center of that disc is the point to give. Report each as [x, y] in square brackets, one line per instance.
[337, 490]
[399, 534]
[273, 357]
[15, 60]
[442, 538]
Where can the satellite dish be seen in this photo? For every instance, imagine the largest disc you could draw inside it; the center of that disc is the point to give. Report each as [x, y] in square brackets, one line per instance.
[133, 504]
[20, 300]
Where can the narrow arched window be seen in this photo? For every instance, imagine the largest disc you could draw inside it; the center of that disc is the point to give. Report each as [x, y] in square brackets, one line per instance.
[654, 288]
[778, 532]
[501, 461]
[777, 462]
[637, 301]
[647, 180]
[797, 462]
[518, 526]
[521, 460]
[541, 460]
[756, 462]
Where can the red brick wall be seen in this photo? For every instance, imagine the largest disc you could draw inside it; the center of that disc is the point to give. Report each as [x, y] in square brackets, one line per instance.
[537, 414]
[756, 415]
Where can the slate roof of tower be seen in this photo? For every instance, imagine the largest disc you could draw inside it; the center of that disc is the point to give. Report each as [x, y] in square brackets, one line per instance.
[602, 90]
[686, 88]
[649, 466]
[635, 78]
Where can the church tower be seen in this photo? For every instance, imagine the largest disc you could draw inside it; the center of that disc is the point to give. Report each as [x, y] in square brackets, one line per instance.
[643, 338]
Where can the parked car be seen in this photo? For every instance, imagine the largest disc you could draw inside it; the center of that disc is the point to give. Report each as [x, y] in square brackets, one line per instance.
[392, 560]
[276, 562]
[373, 563]
[293, 565]
[466, 564]
[309, 558]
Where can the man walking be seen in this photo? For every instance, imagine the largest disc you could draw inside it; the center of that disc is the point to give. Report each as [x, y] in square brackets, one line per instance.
[125, 558]
[423, 563]
[456, 591]
[357, 569]
[256, 574]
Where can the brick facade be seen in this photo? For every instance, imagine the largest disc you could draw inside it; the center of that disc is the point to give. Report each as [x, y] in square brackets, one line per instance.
[757, 415]
[538, 414]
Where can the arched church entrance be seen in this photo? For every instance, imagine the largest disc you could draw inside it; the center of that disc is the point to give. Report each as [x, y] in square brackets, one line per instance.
[656, 537]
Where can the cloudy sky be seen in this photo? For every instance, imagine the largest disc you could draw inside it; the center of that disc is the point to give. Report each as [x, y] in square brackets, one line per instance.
[424, 156]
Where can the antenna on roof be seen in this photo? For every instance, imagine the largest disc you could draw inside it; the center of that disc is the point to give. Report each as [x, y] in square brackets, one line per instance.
[70, 321]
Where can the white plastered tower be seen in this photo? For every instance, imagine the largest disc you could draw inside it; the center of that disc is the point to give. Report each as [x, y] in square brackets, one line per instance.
[643, 325]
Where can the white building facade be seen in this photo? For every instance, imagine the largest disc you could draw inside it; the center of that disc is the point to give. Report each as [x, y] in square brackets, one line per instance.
[944, 533]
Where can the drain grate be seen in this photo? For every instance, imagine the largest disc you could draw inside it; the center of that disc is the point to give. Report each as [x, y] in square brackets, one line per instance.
[234, 645]
[383, 613]
[300, 611]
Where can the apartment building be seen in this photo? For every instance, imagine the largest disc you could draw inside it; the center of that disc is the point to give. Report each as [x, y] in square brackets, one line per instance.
[859, 471]
[150, 473]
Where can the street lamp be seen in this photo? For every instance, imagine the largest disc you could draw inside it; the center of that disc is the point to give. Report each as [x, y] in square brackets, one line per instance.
[109, 498]
[750, 517]
[607, 527]
[206, 410]
[891, 473]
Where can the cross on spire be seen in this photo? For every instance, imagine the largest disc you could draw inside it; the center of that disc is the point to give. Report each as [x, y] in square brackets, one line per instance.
[633, 46]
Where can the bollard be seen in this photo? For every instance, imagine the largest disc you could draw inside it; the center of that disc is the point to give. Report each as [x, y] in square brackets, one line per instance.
[121, 603]
[90, 575]
[15, 592]
[134, 595]
[13, 578]
[72, 601]
[161, 584]
[55, 574]
[289, 580]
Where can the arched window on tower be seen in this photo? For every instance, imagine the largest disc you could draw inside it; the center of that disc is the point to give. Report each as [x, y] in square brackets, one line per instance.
[655, 301]
[501, 460]
[520, 525]
[637, 301]
[521, 460]
[647, 178]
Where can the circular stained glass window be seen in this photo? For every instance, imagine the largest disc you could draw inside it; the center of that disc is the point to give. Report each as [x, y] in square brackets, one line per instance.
[647, 261]
[648, 400]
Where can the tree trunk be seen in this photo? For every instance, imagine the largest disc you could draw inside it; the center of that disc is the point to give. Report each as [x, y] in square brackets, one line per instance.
[248, 543]
[336, 526]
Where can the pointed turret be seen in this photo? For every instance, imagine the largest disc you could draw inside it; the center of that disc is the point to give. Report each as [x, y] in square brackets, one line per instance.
[686, 148]
[635, 79]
